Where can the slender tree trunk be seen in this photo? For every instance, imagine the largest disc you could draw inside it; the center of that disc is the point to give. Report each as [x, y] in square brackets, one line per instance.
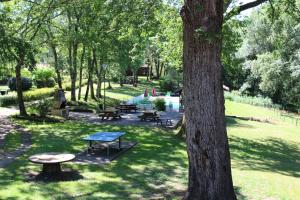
[53, 48]
[151, 69]
[74, 71]
[208, 150]
[56, 66]
[157, 67]
[161, 69]
[80, 72]
[19, 84]
[87, 90]
[99, 76]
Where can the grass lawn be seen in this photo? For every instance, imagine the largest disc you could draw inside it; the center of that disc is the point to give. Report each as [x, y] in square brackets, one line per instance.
[265, 161]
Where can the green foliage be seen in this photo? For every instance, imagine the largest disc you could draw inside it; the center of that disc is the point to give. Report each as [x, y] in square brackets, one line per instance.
[32, 95]
[26, 84]
[256, 100]
[43, 107]
[44, 77]
[160, 104]
[271, 57]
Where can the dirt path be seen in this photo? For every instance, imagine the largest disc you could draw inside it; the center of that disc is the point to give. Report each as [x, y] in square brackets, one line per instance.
[6, 127]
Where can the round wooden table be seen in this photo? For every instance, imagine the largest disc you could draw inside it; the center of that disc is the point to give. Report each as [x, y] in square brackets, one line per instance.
[51, 161]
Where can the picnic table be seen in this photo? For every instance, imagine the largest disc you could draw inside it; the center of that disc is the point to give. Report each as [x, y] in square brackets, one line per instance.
[149, 114]
[127, 107]
[104, 138]
[51, 161]
[112, 113]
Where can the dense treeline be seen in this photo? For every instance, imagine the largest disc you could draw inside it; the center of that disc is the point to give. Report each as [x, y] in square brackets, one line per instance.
[87, 39]
[270, 55]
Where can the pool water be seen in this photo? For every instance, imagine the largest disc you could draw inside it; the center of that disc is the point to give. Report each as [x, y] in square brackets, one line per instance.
[172, 103]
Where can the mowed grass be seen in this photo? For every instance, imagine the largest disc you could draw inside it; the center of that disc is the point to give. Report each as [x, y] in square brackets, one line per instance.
[265, 161]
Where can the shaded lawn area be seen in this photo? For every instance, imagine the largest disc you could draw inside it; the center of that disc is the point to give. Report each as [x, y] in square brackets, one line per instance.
[150, 168]
[265, 162]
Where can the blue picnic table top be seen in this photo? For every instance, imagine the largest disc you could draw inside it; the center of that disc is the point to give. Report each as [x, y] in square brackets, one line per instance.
[104, 136]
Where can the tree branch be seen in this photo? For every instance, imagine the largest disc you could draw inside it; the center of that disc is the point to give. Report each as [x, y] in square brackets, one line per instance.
[239, 9]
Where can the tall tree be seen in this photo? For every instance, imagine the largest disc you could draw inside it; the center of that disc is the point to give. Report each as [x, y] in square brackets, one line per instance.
[207, 142]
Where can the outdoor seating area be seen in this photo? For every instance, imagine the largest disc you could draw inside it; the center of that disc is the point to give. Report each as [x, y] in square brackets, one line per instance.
[149, 115]
[110, 114]
[149, 100]
[127, 107]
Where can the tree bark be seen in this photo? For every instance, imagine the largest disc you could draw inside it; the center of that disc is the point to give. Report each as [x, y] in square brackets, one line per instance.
[19, 84]
[208, 150]
[74, 71]
[53, 47]
[56, 66]
[80, 72]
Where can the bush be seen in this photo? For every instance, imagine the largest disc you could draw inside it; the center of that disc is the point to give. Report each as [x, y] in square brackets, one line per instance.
[44, 77]
[160, 104]
[31, 95]
[38, 94]
[167, 85]
[256, 101]
[26, 84]
[43, 107]
[50, 82]
[8, 100]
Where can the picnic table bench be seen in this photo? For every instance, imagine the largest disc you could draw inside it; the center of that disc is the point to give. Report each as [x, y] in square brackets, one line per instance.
[104, 138]
[110, 114]
[149, 115]
[127, 108]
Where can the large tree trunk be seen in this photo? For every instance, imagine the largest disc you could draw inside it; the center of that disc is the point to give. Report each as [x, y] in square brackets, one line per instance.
[80, 72]
[208, 149]
[19, 84]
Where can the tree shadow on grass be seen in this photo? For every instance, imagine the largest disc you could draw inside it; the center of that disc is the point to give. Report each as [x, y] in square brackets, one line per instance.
[233, 122]
[271, 154]
[151, 169]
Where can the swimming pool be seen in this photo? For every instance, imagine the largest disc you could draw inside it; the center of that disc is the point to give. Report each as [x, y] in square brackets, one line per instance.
[172, 103]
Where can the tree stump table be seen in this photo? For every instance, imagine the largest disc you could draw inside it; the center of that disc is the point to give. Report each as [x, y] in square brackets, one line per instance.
[51, 161]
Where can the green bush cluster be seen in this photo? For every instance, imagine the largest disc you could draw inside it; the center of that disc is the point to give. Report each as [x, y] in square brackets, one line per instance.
[26, 84]
[256, 101]
[43, 107]
[167, 85]
[31, 95]
[67, 85]
[44, 77]
[160, 104]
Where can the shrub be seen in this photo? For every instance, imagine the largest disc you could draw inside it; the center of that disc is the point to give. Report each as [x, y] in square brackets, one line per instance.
[26, 84]
[31, 95]
[8, 100]
[160, 104]
[256, 101]
[44, 77]
[50, 82]
[167, 85]
[43, 107]
[38, 94]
